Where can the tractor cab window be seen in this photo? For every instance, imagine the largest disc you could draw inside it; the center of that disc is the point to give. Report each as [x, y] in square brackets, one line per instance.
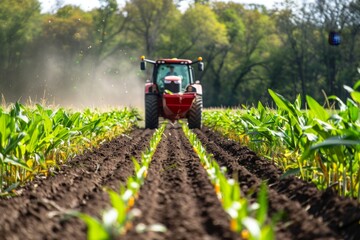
[165, 70]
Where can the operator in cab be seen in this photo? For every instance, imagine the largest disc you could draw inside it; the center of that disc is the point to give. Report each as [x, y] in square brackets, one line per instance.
[171, 71]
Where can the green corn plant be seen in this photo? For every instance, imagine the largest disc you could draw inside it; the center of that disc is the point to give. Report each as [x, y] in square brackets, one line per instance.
[118, 219]
[35, 139]
[339, 143]
[317, 143]
[10, 138]
[249, 220]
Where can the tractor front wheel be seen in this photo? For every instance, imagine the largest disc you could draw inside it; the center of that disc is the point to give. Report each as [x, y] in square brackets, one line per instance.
[194, 117]
[151, 111]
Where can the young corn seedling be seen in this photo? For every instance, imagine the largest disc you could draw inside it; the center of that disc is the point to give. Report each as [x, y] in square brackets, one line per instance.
[249, 220]
[118, 219]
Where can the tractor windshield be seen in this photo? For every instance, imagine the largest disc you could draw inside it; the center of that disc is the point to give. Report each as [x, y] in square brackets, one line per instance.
[165, 70]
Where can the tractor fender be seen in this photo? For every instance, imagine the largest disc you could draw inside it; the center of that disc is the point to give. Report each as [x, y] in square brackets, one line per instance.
[151, 88]
[198, 88]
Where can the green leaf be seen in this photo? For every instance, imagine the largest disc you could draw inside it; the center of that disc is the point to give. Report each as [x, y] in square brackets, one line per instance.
[262, 200]
[96, 231]
[14, 141]
[290, 172]
[281, 102]
[316, 109]
[298, 102]
[110, 218]
[355, 96]
[348, 89]
[136, 164]
[33, 141]
[260, 106]
[311, 137]
[5, 120]
[353, 111]
[48, 125]
[357, 84]
[267, 233]
[16, 162]
[342, 105]
[12, 187]
[118, 204]
[336, 141]
[252, 226]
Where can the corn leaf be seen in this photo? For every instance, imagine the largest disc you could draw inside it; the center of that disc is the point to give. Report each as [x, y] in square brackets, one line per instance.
[16, 162]
[96, 230]
[282, 103]
[261, 214]
[119, 205]
[335, 141]
[355, 96]
[316, 109]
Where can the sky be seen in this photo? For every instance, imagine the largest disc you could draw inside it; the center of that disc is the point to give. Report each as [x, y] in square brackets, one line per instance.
[50, 5]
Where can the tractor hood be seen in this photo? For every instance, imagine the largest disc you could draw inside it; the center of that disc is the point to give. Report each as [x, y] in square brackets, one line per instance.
[169, 79]
[172, 84]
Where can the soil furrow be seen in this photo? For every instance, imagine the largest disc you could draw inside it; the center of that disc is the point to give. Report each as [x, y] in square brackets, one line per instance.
[339, 215]
[38, 212]
[178, 194]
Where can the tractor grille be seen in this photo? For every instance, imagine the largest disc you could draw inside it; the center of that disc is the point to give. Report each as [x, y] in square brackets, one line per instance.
[172, 86]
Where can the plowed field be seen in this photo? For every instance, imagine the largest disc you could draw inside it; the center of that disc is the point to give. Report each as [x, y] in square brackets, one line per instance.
[177, 193]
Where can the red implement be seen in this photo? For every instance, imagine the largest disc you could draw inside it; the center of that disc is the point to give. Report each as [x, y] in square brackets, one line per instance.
[176, 106]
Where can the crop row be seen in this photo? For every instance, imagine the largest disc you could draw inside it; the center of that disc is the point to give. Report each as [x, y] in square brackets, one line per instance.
[35, 140]
[117, 220]
[321, 144]
[248, 219]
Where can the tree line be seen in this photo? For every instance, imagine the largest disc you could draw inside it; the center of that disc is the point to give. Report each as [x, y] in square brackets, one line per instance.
[247, 49]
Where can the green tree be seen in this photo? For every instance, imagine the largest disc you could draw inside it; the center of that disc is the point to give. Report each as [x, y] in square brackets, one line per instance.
[110, 23]
[243, 63]
[332, 16]
[230, 14]
[298, 36]
[201, 30]
[149, 19]
[306, 63]
[18, 27]
[197, 32]
[66, 38]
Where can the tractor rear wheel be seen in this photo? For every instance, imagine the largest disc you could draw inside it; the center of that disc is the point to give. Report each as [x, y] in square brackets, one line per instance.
[194, 117]
[151, 111]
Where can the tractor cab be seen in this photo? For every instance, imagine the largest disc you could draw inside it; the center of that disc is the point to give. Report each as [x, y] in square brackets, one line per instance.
[173, 78]
[172, 92]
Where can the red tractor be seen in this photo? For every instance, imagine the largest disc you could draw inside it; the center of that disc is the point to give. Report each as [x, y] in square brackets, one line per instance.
[172, 92]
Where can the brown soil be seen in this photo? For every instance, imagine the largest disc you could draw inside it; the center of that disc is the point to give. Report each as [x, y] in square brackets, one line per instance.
[176, 193]
[307, 212]
[39, 212]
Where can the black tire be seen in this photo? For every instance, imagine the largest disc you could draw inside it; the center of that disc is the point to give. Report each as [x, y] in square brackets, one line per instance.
[151, 111]
[195, 112]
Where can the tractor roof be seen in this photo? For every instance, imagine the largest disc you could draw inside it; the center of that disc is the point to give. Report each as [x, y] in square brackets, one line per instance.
[173, 61]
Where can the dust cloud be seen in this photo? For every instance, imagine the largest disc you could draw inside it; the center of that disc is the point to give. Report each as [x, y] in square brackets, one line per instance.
[116, 82]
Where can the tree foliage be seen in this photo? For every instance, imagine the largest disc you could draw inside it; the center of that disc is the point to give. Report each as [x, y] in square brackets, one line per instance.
[18, 28]
[149, 19]
[247, 48]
